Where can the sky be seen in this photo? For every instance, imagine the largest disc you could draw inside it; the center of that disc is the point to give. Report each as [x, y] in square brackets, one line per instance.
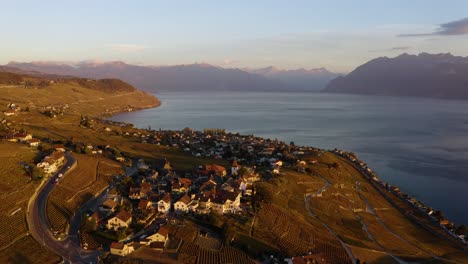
[336, 34]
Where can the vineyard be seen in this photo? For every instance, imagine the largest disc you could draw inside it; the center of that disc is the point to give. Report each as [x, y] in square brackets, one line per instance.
[15, 191]
[27, 250]
[295, 237]
[190, 253]
[396, 245]
[91, 175]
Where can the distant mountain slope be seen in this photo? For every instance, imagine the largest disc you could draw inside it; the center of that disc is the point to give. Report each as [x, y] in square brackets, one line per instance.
[193, 77]
[28, 78]
[85, 96]
[300, 79]
[424, 75]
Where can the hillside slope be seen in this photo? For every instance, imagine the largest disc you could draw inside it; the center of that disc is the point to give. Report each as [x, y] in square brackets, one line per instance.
[85, 96]
[423, 75]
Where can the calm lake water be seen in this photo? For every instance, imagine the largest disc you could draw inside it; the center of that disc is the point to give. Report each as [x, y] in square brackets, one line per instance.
[420, 145]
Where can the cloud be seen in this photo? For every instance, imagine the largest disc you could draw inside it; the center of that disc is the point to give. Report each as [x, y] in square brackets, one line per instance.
[458, 27]
[400, 48]
[127, 47]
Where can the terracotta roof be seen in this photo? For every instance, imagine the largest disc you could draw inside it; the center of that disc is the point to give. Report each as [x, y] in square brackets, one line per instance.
[215, 167]
[222, 196]
[146, 185]
[185, 199]
[208, 185]
[20, 135]
[163, 231]
[109, 203]
[52, 158]
[143, 204]
[124, 215]
[117, 245]
[185, 181]
[167, 198]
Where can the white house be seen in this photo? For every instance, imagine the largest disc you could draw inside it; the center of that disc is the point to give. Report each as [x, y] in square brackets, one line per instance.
[164, 205]
[122, 220]
[234, 168]
[161, 236]
[182, 205]
[121, 249]
[51, 163]
[228, 202]
[34, 142]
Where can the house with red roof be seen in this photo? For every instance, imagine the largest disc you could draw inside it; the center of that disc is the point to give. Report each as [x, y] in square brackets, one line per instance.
[182, 205]
[121, 249]
[161, 236]
[121, 220]
[164, 205]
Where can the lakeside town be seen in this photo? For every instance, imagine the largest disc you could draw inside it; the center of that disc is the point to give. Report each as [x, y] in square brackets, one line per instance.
[139, 206]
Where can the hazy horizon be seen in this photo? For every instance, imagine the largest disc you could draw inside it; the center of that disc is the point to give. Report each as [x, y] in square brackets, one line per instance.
[335, 35]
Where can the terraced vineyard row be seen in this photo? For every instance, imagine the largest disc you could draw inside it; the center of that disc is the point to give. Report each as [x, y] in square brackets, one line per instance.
[190, 253]
[12, 227]
[91, 176]
[294, 237]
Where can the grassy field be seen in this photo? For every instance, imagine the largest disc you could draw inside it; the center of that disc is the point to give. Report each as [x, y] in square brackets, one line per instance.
[15, 191]
[88, 178]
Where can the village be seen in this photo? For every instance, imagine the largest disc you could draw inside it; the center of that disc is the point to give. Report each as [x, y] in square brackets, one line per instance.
[140, 208]
[139, 205]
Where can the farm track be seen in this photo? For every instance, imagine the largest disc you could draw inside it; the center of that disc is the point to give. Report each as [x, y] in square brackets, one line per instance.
[307, 201]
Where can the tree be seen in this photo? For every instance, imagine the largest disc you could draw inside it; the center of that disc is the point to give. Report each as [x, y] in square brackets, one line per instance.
[242, 171]
[36, 173]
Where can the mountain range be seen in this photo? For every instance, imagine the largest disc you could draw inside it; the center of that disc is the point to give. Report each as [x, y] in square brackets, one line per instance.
[423, 75]
[192, 77]
[299, 79]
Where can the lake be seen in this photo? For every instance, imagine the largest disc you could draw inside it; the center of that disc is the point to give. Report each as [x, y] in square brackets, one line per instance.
[418, 144]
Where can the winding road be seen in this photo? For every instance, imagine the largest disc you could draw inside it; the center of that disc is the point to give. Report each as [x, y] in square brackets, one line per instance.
[68, 248]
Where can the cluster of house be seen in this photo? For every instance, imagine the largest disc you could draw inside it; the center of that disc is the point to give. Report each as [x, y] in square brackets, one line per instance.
[22, 137]
[157, 241]
[217, 144]
[158, 193]
[51, 163]
[372, 176]
[12, 109]
[54, 110]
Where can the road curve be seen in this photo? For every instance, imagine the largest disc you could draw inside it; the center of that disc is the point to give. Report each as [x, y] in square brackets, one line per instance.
[69, 248]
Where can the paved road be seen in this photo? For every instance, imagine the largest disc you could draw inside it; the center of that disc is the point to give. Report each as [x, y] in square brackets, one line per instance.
[69, 248]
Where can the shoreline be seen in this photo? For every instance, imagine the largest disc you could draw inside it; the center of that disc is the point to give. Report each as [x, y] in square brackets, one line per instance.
[155, 104]
[366, 170]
